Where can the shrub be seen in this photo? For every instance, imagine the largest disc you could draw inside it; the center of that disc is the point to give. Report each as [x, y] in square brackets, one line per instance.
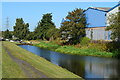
[113, 46]
[77, 45]
[99, 44]
[84, 41]
[58, 41]
[116, 53]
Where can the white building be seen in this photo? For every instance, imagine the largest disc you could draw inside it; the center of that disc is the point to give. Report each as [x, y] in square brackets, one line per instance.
[111, 11]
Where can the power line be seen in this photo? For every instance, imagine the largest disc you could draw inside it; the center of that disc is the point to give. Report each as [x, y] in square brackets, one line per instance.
[7, 23]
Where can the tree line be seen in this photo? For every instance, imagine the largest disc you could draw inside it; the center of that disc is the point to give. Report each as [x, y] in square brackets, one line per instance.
[74, 26]
[71, 30]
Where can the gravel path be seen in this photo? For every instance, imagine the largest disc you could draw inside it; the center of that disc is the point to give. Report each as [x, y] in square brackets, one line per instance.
[29, 70]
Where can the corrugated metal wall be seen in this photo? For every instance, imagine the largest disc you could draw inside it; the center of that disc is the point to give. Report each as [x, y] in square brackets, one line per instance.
[98, 34]
[97, 22]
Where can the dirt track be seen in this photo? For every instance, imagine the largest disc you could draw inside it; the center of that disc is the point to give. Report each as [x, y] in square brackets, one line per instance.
[29, 70]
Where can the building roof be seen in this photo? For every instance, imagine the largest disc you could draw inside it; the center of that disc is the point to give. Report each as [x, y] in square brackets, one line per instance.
[101, 8]
[114, 6]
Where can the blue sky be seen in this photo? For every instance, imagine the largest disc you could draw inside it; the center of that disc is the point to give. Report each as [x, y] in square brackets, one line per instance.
[59, 0]
[32, 12]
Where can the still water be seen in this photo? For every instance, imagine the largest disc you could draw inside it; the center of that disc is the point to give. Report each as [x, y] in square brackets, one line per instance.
[84, 66]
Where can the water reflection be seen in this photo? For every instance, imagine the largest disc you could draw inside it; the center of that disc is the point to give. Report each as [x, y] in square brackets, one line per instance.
[84, 66]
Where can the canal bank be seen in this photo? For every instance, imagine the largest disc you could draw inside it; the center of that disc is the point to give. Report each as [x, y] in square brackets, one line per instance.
[84, 66]
[92, 50]
[39, 63]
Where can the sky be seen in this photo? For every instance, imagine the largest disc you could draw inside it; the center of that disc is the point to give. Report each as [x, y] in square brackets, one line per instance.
[59, 0]
[32, 12]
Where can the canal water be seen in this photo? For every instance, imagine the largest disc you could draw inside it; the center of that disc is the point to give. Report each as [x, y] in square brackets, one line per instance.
[84, 66]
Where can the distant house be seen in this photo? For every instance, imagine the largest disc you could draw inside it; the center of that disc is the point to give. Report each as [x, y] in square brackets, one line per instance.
[96, 20]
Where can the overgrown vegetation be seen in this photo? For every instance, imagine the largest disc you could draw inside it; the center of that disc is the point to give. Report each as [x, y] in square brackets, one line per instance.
[113, 47]
[50, 46]
[84, 41]
[85, 52]
[90, 49]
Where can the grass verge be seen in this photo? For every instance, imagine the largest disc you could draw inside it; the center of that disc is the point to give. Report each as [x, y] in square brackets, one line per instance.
[0, 59]
[49, 69]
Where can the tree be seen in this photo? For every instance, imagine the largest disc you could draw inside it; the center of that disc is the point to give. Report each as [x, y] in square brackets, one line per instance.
[7, 34]
[30, 36]
[52, 33]
[114, 22]
[73, 28]
[43, 26]
[21, 30]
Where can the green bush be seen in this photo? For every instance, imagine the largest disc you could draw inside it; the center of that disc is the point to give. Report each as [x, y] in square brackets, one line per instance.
[113, 46]
[116, 53]
[84, 41]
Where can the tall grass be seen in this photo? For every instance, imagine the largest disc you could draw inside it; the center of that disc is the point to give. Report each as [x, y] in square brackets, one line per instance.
[50, 45]
[87, 50]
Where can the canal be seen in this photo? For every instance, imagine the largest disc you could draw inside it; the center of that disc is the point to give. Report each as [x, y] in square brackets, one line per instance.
[84, 66]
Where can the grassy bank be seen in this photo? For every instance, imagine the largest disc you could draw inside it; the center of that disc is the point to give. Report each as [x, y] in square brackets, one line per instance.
[73, 50]
[85, 52]
[0, 60]
[9, 68]
[46, 67]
